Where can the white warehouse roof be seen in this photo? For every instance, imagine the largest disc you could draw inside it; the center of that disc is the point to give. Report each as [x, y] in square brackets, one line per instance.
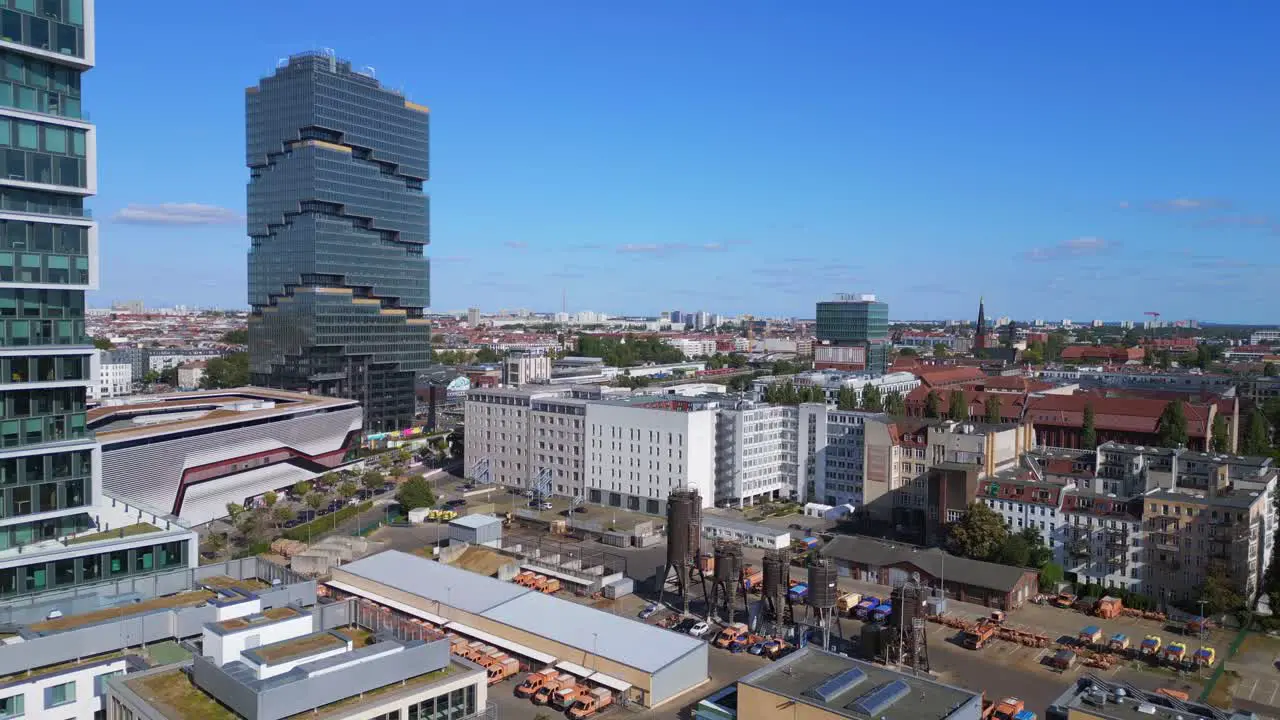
[475, 522]
[623, 640]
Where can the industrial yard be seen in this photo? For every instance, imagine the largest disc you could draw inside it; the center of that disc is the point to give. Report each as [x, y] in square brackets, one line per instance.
[763, 604]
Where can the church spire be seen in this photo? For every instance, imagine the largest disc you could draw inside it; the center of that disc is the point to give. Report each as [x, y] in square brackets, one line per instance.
[980, 334]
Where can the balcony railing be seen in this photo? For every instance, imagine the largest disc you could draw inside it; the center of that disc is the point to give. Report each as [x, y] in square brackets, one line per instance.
[25, 206]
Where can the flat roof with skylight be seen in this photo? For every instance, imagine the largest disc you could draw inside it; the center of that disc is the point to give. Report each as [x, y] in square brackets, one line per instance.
[848, 688]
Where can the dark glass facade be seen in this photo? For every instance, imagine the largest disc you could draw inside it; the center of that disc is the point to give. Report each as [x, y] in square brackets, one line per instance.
[862, 323]
[338, 223]
[848, 322]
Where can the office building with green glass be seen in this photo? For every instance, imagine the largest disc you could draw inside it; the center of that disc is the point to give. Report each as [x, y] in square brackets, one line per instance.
[57, 530]
[853, 334]
[338, 223]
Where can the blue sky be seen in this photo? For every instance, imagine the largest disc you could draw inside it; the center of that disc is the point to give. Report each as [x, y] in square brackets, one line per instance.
[1094, 159]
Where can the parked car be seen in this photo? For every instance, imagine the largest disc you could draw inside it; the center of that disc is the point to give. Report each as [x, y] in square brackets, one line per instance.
[649, 611]
[580, 509]
[794, 526]
[756, 648]
[699, 629]
[686, 625]
[545, 505]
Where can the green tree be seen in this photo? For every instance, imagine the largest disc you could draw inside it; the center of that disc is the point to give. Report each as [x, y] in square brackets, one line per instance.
[1053, 347]
[314, 500]
[932, 405]
[979, 534]
[301, 488]
[347, 490]
[957, 406]
[939, 350]
[1015, 552]
[1219, 594]
[1221, 435]
[103, 343]
[214, 544]
[895, 405]
[1050, 575]
[1270, 370]
[236, 337]
[282, 514]
[1038, 554]
[270, 498]
[415, 493]
[234, 511]
[872, 400]
[847, 399]
[373, 480]
[1173, 425]
[908, 352]
[226, 372]
[1257, 440]
[1089, 433]
[992, 408]
[1164, 359]
[169, 376]
[487, 355]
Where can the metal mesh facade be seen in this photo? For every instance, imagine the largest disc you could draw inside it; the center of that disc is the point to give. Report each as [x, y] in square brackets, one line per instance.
[338, 222]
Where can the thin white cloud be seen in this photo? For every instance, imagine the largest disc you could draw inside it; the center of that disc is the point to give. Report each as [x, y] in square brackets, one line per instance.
[516, 244]
[1075, 247]
[669, 248]
[177, 214]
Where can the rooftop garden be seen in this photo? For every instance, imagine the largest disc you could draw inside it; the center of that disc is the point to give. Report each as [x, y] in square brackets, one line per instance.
[120, 532]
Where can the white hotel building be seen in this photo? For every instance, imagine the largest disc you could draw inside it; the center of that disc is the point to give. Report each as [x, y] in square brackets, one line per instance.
[641, 448]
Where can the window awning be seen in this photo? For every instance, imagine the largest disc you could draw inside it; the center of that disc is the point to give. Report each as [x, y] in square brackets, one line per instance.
[610, 682]
[503, 643]
[375, 597]
[574, 669]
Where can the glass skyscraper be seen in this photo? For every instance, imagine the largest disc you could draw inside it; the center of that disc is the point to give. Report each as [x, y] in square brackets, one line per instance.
[56, 529]
[338, 222]
[855, 321]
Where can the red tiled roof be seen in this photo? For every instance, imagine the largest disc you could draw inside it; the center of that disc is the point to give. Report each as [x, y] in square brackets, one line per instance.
[1011, 404]
[1119, 414]
[1101, 352]
[947, 377]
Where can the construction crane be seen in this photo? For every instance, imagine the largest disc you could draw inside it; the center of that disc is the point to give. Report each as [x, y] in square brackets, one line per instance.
[1151, 329]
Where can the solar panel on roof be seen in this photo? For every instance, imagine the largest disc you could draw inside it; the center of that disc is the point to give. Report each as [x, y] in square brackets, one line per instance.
[838, 685]
[879, 700]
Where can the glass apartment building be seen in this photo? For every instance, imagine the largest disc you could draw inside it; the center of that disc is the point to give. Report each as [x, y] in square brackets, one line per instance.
[338, 223]
[855, 321]
[56, 529]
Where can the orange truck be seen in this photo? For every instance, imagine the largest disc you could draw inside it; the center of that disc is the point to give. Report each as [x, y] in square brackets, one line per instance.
[499, 666]
[538, 582]
[564, 698]
[552, 587]
[549, 688]
[535, 680]
[752, 578]
[524, 579]
[977, 637]
[1008, 708]
[591, 703]
[732, 633]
